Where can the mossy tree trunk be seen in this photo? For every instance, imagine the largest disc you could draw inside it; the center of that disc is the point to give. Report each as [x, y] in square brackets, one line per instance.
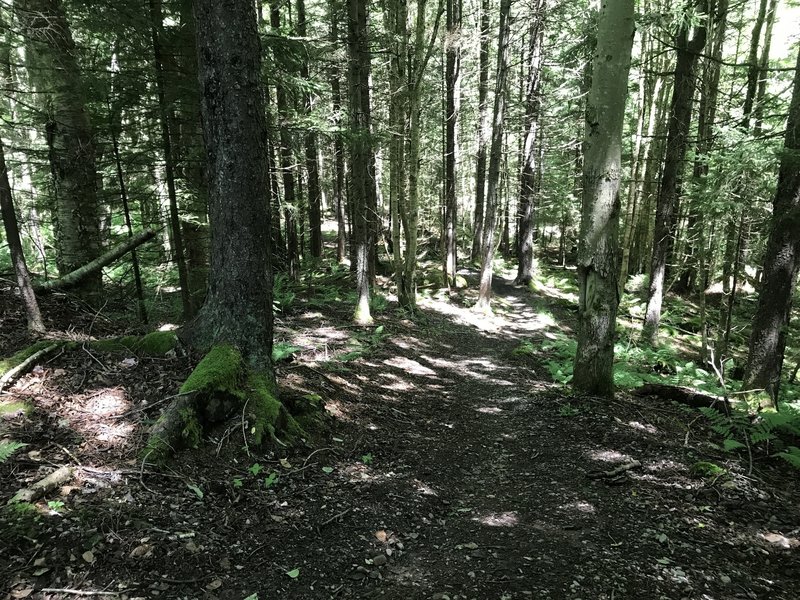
[598, 245]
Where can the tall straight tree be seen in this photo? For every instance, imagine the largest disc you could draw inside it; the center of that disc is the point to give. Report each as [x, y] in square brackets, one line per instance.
[238, 307]
[598, 243]
[526, 209]
[56, 76]
[362, 174]
[452, 112]
[781, 266]
[483, 131]
[495, 158]
[680, 118]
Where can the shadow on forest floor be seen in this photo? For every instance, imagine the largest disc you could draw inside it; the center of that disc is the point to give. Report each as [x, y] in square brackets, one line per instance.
[454, 468]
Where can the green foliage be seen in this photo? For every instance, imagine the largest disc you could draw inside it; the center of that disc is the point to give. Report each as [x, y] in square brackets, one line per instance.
[367, 458]
[18, 358]
[255, 469]
[707, 470]
[7, 448]
[283, 350]
[282, 294]
[525, 348]
[270, 480]
[567, 410]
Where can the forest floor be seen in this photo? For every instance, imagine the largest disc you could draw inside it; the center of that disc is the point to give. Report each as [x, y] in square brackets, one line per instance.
[454, 468]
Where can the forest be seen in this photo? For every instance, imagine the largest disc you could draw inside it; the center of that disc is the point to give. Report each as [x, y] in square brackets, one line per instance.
[435, 299]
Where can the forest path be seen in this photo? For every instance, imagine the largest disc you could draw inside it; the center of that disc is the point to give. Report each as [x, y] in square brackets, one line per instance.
[454, 469]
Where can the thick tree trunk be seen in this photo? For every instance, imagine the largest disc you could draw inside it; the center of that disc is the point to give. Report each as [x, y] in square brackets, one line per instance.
[781, 266]
[598, 297]
[495, 157]
[55, 74]
[238, 307]
[483, 132]
[452, 111]
[677, 141]
[34, 316]
[526, 211]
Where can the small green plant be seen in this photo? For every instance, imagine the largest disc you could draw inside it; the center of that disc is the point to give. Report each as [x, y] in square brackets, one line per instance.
[282, 295]
[55, 505]
[282, 351]
[255, 469]
[707, 470]
[270, 480]
[7, 448]
[567, 410]
[525, 348]
[237, 482]
[367, 458]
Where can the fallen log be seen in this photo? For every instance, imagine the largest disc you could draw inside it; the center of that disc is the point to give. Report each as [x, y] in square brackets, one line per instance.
[81, 273]
[684, 395]
[17, 365]
[44, 486]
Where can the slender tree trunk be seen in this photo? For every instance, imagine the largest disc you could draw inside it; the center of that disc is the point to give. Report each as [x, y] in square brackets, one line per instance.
[312, 167]
[483, 132]
[452, 111]
[56, 76]
[598, 297]
[156, 20]
[527, 182]
[753, 66]
[361, 164]
[781, 266]
[677, 141]
[276, 236]
[495, 157]
[763, 66]
[338, 144]
[34, 316]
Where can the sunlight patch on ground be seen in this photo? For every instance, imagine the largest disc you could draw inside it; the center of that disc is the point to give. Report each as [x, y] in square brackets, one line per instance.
[504, 519]
[107, 402]
[646, 427]
[409, 366]
[424, 488]
[489, 410]
[396, 383]
[579, 506]
[665, 465]
[611, 456]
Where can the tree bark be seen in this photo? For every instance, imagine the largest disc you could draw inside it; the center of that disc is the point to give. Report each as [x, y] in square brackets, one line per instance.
[483, 132]
[238, 307]
[669, 191]
[55, 74]
[452, 111]
[526, 211]
[338, 144]
[495, 157]
[781, 266]
[34, 316]
[753, 66]
[598, 296]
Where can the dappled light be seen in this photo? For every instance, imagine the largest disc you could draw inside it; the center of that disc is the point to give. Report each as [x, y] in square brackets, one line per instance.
[505, 519]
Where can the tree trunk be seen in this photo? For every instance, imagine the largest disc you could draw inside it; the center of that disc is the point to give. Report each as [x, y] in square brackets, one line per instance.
[483, 132]
[452, 111]
[55, 74]
[34, 316]
[312, 167]
[598, 297]
[156, 20]
[781, 266]
[527, 180]
[677, 141]
[361, 164]
[495, 157]
[338, 144]
[763, 66]
[753, 66]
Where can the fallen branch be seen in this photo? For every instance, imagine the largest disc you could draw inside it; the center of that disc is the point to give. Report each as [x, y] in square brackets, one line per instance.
[82, 592]
[25, 364]
[44, 486]
[684, 395]
[81, 273]
[616, 471]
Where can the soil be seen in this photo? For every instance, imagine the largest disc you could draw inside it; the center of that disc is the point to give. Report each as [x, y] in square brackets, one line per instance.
[452, 469]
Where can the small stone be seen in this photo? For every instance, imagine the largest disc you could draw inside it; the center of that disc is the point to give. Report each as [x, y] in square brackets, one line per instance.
[725, 579]
[380, 560]
[440, 596]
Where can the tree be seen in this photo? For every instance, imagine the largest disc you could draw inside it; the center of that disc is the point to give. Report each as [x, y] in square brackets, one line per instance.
[781, 267]
[55, 73]
[452, 111]
[598, 297]
[35, 322]
[495, 157]
[680, 118]
[483, 131]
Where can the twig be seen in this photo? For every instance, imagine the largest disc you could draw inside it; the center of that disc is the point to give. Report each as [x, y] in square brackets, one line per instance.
[152, 404]
[334, 518]
[244, 429]
[20, 368]
[94, 358]
[82, 592]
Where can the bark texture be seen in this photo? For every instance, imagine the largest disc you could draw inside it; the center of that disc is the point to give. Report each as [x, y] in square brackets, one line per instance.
[238, 307]
[452, 111]
[781, 266]
[598, 243]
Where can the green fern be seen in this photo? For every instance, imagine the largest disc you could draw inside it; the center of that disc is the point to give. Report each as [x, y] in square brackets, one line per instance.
[7, 448]
[791, 455]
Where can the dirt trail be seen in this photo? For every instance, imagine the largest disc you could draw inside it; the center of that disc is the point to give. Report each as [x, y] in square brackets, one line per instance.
[454, 469]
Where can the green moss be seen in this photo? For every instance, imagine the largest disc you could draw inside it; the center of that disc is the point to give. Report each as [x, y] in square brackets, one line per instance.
[156, 343]
[705, 470]
[192, 431]
[219, 371]
[17, 359]
[11, 408]
[265, 407]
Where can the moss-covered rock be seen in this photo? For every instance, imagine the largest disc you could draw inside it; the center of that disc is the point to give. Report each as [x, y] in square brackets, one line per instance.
[12, 409]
